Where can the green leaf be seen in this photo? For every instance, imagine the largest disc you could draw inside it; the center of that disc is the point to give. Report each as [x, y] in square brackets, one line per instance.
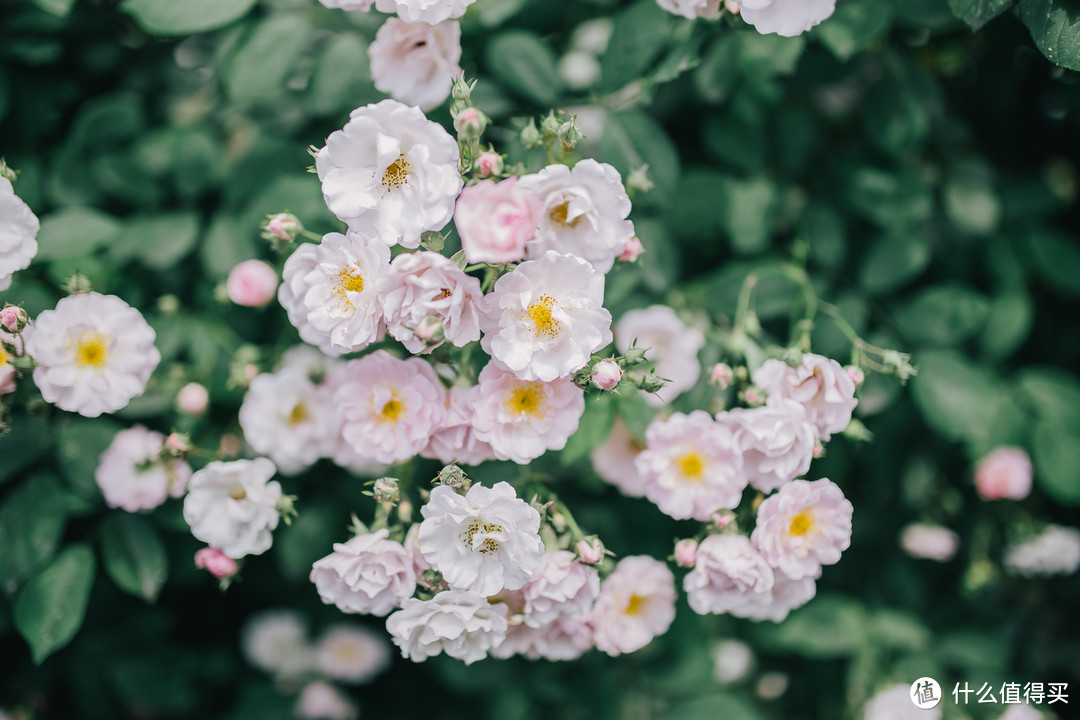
[943, 315]
[75, 231]
[899, 630]
[157, 241]
[310, 536]
[831, 626]
[893, 260]
[51, 607]
[977, 13]
[1055, 28]
[632, 139]
[59, 8]
[1052, 395]
[226, 244]
[717, 705]
[169, 17]
[1007, 325]
[748, 207]
[1057, 457]
[25, 442]
[593, 429]
[80, 442]
[891, 200]
[332, 90]
[639, 34]
[970, 200]
[524, 64]
[854, 26]
[134, 555]
[32, 522]
[1057, 259]
[635, 412]
[261, 66]
[957, 398]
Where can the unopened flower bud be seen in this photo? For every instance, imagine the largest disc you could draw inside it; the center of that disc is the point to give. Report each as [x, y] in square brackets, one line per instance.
[819, 449]
[192, 399]
[722, 376]
[489, 164]
[606, 374]
[632, 251]
[590, 550]
[229, 447]
[686, 553]
[530, 136]
[177, 445]
[638, 180]
[754, 396]
[470, 123]
[461, 90]
[7, 172]
[549, 126]
[283, 226]
[856, 374]
[652, 383]
[386, 490]
[453, 476]
[570, 134]
[732, 6]
[252, 283]
[430, 330]
[216, 562]
[13, 319]
[722, 518]
[77, 284]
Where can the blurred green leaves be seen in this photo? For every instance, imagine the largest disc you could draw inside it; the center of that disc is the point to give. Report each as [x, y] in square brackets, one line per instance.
[51, 607]
[166, 17]
[134, 555]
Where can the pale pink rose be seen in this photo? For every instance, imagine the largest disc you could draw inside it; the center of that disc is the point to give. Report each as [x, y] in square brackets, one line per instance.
[691, 466]
[560, 587]
[590, 551]
[422, 287]
[412, 544]
[606, 374]
[416, 62]
[192, 399]
[462, 624]
[13, 318]
[728, 574]
[567, 638]
[455, 440]
[489, 163]
[252, 283]
[322, 701]
[215, 562]
[522, 419]
[428, 11]
[389, 407]
[495, 220]
[686, 553]
[708, 9]
[786, 17]
[1004, 474]
[636, 603]
[672, 345]
[819, 384]
[776, 442]
[7, 375]
[803, 526]
[786, 595]
[132, 475]
[614, 460]
[369, 574]
[931, 542]
[352, 5]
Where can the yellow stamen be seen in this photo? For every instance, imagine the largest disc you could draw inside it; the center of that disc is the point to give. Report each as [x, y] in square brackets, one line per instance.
[4, 356]
[802, 524]
[349, 280]
[238, 494]
[635, 606]
[539, 313]
[397, 174]
[691, 466]
[299, 414]
[559, 213]
[527, 399]
[90, 349]
[392, 409]
[489, 545]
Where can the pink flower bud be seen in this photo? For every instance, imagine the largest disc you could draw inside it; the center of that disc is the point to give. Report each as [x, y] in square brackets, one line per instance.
[754, 397]
[632, 251]
[177, 442]
[13, 318]
[470, 122]
[430, 330]
[252, 283]
[284, 226]
[489, 163]
[1004, 474]
[722, 518]
[192, 399]
[732, 6]
[590, 551]
[856, 374]
[819, 449]
[216, 562]
[722, 376]
[606, 374]
[686, 553]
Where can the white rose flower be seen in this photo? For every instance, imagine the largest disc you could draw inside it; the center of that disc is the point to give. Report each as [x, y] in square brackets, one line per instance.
[461, 624]
[483, 541]
[369, 574]
[894, 703]
[585, 212]
[289, 419]
[416, 62]
[776, 442]
[291, 294]
[690, 9]
[1056, 551]
[728, 574]
[566, 638]
[636, 603]
[232, 506]
[786, 595]
[322, 701]
[785, 17]
[560, 587]
[456, 439]
[803, 526]
[391, 173]
[275, 641]
[131, 475]
[18, 233]
[614, 460]
[351, 5]
[732, 661]
[427, 11]
[819, 384]
[673, 347]
[522, 419]
[428, 285]
[931, 542]
[546, 318]
[94, 353]
[351, 653]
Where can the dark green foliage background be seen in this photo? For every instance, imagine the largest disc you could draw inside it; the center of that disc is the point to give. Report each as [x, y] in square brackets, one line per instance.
[926, 172]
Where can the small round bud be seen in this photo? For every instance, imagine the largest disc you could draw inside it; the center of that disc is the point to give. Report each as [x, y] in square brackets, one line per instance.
[430, 330]
[192, 399]
[470, 123]
[632, 251]
[252, 283]
[819, 449]
[754, 396]
[13, 319]
[686, 553]
[722, 518]
[606, 374]
[216, 562]
[590, 550]
[570, 134]
[652, 383]
[177, 443]
[732, 6]
[530, 135]
[722, 376]
[283, 226]
[489, 164]
[386, 490]
[856, 374]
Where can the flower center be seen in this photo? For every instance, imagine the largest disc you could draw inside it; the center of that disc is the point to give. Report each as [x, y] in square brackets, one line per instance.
[238, 494]
[486, 545]
[392, 409]
[635, 606]
[299, 414]
[349, 280]
[397, 174]
[559, 213]
[539, 313]
[3, 356]
[443, 294]
[691, 466]
[90, 349]
[802, 524]
[527, 399]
